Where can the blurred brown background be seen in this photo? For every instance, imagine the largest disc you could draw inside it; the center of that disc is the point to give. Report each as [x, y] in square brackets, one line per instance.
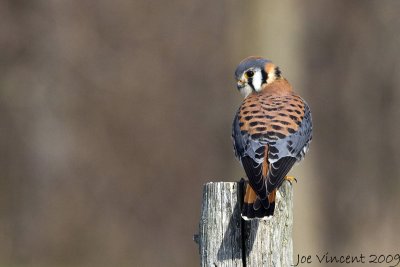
[114, 113]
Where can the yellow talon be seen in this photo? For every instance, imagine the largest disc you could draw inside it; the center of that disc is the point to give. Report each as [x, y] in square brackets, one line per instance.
[291, 179]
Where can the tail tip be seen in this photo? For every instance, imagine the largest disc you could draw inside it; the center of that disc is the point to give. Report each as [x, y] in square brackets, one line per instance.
[265, 218]
[249, 213]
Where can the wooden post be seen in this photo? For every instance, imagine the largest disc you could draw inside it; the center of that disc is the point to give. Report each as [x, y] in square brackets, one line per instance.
[225, 239]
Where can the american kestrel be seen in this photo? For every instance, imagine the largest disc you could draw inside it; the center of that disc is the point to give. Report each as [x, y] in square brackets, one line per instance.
[271, 131]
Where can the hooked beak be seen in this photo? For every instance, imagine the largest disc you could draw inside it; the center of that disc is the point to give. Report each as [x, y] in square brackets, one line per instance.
[240, 84]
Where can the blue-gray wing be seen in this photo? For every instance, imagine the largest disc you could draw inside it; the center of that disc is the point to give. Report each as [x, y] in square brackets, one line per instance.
[244, 145]
[250, 152]
[297, 143]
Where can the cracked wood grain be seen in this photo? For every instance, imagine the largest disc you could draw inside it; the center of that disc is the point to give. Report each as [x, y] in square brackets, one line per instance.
[225, 239]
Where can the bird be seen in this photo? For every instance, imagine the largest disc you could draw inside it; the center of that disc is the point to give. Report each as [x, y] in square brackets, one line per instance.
[271, 131]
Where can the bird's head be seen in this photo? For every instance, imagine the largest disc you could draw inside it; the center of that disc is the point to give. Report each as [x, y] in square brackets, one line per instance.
[253, 73]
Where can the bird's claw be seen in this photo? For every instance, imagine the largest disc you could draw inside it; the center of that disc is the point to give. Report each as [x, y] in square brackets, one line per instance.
[290, 179]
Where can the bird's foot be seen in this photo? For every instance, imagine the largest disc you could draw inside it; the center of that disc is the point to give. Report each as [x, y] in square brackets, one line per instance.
[290, 179]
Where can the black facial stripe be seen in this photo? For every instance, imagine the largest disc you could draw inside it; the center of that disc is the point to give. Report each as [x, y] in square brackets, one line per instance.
[264, 76]
[277, 72]
[250, 82]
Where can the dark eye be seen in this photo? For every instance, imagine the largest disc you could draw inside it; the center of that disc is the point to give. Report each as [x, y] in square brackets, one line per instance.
[249, 74]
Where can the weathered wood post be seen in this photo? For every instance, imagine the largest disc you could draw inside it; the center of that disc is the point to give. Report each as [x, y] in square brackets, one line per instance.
[225, 239]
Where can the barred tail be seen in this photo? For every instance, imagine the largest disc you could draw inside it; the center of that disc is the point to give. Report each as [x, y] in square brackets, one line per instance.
[252, 207]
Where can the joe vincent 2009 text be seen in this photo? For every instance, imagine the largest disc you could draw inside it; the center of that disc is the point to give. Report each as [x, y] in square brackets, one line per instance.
[390, 260]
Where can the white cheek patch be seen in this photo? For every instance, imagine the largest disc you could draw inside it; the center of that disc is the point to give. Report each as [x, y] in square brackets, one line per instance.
[257, 81]
[245, 91]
